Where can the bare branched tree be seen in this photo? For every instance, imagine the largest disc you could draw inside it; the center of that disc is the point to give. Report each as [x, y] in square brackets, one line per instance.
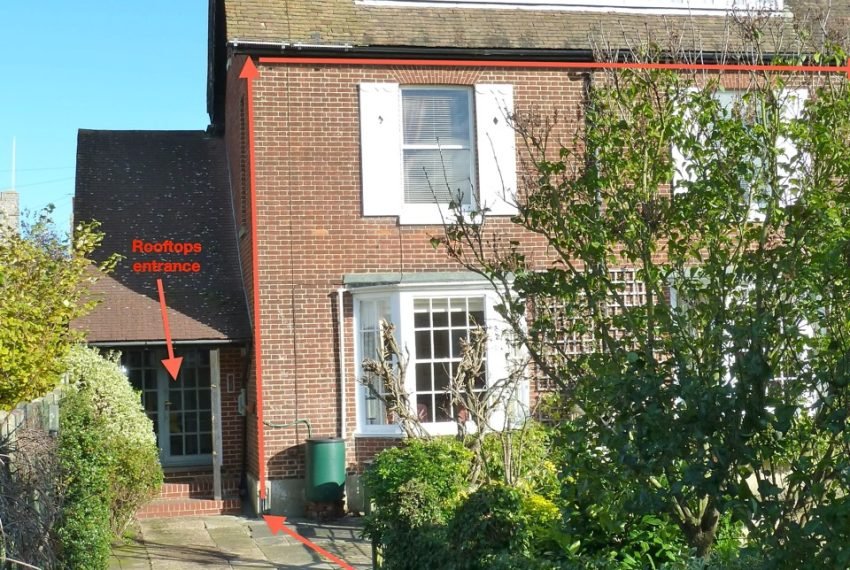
[482, 404]
[30, 497]
[384, 376]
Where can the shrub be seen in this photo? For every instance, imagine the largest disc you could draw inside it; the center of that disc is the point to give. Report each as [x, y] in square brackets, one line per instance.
[415, 489]
[84, 533]
[531, 454]
[136, 474]
[491, 525]
[108, 454]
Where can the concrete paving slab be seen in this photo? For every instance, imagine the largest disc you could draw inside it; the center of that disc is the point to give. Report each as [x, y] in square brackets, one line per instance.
[233, 542]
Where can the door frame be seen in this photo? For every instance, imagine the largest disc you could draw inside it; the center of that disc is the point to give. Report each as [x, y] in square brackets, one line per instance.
[164, 384]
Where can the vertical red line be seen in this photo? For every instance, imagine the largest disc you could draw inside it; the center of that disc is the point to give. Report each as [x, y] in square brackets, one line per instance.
[255, 278]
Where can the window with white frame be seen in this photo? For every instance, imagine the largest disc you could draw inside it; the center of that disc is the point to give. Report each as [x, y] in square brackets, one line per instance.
[424, 147]
[372, 313]
[440, 325]
[429, 327]
[437, 152]
[663, 6]
[792, 102]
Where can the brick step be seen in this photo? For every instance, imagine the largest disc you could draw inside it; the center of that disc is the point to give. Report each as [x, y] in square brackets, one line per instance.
[196, 489]
[167, 508]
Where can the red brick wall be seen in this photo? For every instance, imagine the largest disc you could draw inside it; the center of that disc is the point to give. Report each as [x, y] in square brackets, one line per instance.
[231, 370]
[312, 233]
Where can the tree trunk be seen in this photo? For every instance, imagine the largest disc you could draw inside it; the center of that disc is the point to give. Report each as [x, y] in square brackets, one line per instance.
[701, 536]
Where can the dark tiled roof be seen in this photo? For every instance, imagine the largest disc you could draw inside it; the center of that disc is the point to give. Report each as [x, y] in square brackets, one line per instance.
[155, 186]
[345, 22]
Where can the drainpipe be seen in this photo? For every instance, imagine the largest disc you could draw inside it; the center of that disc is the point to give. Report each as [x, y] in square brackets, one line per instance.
[342, 380]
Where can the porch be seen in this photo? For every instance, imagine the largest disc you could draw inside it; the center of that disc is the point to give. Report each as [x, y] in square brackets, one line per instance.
[198, 419]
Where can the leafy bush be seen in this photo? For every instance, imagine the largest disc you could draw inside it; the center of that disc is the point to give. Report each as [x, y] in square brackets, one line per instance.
[530, 456]
[603, 509]
[415, 489]
[136, 474]
[84, 534]
[109, 458]
[42, 288]
[491, 525]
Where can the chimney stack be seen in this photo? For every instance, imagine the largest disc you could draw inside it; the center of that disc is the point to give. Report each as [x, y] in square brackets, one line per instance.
[10, 215]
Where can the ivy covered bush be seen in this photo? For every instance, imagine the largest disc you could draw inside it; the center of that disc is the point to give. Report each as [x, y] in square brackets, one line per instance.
[109, 458]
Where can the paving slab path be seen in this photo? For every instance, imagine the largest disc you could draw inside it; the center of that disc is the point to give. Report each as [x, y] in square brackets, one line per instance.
[223, 542]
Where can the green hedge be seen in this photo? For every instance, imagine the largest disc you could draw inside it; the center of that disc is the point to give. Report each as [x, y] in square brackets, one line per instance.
[84, 533]
[109, 458]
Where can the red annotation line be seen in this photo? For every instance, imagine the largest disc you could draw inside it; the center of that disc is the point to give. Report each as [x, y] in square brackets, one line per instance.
[561, 64]
[249, 74]
[277, 524]
[171, 363]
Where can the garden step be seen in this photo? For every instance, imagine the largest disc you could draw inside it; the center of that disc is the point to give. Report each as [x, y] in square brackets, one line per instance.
[198, 488]
[181, 507]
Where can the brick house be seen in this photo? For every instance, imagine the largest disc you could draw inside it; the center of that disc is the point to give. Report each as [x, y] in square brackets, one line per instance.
[350, 100]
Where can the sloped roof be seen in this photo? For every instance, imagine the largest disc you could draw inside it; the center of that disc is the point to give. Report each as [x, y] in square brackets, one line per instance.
[156, 186]
[348, 22]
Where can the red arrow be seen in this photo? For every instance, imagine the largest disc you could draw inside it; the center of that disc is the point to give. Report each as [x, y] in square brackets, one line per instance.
[171, 363]
[277, 524]
[249, 74]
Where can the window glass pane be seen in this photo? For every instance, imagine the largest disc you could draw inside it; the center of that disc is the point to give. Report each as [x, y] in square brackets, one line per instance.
[175, 423]
[441, 344]
[176, 445]
[206, 443]
[436, 116]
[134, 358]
[443, 407]
[434, 175]
[423, 344]
[422, 319]
[191, 445]
[457, 335]
[425, 407]
[458, 318]
[442, 373]
[476, 319]
[423, 377]
[135, 379]
[371, 313]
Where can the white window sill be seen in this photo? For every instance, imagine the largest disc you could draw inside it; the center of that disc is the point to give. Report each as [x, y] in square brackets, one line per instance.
[382, 434]
[433, 429]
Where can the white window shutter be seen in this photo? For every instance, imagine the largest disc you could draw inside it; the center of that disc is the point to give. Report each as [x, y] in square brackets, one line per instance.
[496, 146]
[683, 171]
[790, 166]
[380, 148]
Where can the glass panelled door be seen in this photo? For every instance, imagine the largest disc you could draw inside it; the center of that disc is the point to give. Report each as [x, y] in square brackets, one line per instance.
[180, 409]
[188, 409]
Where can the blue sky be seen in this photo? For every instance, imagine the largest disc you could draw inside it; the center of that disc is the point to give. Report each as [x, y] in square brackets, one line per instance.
[94, 64]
